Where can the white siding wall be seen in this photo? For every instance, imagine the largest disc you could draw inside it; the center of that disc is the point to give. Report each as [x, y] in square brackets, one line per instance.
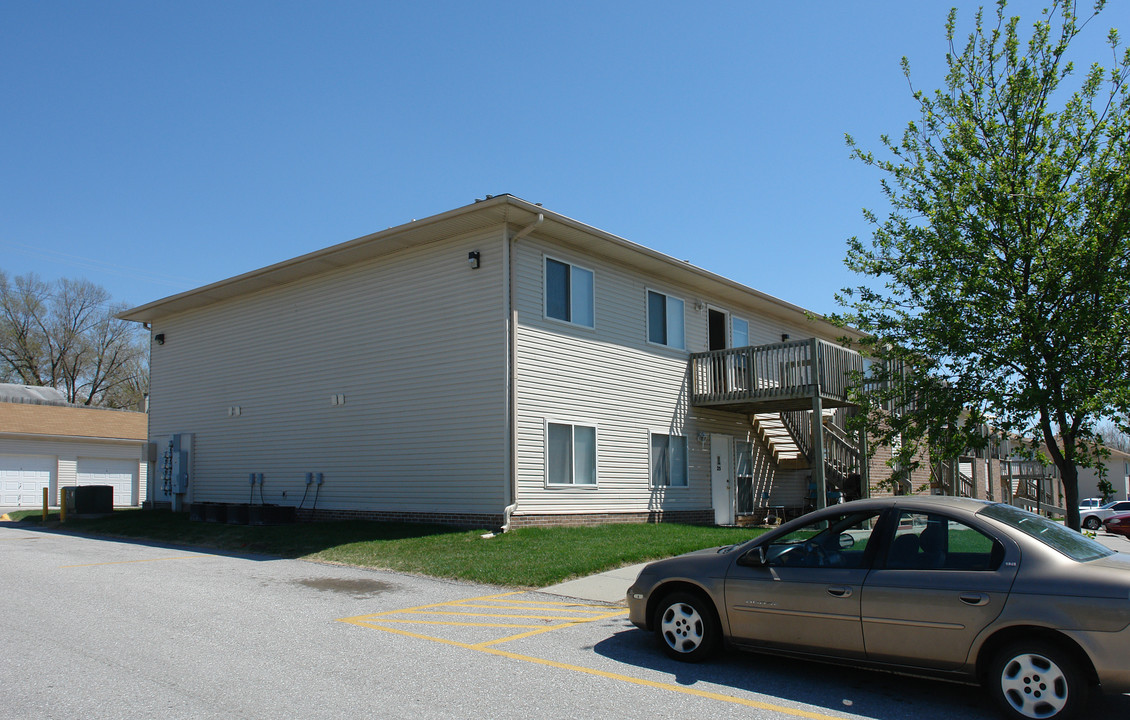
[66, 453]
[1116, 474]
[611, 377]
[416, 343]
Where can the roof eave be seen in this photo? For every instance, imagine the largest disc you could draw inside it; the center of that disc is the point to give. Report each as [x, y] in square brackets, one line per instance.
[500, 210]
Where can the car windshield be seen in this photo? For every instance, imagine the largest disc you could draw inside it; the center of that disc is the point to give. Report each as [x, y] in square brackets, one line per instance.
[1110, 504]
[1053, 534]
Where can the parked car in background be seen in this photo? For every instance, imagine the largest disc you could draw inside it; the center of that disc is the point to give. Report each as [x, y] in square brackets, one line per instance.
[1118, 524]
[1093, 518]
[942, 587]
[1090, 504]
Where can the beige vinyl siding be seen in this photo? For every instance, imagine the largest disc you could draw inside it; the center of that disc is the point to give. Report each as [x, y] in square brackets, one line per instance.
[65, 453]
[605, 377]
[612, 378]
[414, 341]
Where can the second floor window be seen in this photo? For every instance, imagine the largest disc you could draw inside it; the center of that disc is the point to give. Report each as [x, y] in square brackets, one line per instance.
[665, 320]
[739, 333]
[568, 293]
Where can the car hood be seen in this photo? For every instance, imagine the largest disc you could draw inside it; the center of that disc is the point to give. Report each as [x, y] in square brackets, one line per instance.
[692, 563]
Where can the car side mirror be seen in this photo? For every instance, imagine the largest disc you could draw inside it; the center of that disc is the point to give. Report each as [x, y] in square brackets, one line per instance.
[754, 558]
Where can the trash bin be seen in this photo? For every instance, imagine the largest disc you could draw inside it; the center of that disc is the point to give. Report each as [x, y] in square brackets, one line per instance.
[89, 499]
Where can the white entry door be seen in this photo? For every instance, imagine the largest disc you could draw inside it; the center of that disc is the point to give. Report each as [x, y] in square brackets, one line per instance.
[722, 479]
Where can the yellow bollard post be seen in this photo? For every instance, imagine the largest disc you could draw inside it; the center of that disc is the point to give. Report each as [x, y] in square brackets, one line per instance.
[46, 496]
[62, 505]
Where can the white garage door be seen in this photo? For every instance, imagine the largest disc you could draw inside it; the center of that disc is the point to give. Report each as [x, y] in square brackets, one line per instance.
[119, 473]
[22, 479]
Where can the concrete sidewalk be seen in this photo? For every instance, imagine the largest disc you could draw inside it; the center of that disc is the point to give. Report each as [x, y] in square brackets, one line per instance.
[609, 587]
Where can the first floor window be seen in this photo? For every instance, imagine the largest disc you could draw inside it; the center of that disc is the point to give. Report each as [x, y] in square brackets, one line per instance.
[668, 460]
[572, 454]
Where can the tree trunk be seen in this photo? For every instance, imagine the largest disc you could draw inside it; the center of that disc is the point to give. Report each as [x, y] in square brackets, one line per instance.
[1069, 474]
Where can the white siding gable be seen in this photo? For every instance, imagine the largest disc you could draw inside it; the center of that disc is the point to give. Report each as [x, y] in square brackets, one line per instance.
[387, 376]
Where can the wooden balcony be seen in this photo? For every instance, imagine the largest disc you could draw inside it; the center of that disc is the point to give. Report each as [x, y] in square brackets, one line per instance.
[773, 378]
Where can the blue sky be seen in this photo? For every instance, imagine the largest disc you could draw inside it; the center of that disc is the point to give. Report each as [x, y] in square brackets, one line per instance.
[156, 147]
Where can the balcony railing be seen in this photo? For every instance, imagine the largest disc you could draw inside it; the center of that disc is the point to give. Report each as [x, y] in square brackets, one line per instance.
[782, 376]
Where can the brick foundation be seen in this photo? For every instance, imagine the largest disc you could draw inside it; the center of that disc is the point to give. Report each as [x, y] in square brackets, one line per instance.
[489, 522]
[493, 522]
[688, 517]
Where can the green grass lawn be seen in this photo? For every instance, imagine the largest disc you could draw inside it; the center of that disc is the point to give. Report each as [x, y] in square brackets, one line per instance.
[525, 557]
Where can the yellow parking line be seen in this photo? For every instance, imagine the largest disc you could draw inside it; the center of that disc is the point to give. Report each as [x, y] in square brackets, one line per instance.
[502, 615]
[533, 604]
[406, 633]
[795, 712]
[452, 624]
[373, 622]
[127, 562]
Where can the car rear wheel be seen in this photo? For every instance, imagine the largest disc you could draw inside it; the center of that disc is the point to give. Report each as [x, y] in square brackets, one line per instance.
[1092, 523]
[1038, 680]
[686, 628]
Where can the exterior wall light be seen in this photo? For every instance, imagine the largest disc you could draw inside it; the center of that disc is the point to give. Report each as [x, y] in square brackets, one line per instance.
[473, 259]
[784, 337]
[159, 338]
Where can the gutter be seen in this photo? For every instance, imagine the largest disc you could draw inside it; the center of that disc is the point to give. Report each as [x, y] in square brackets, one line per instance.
[512, 338]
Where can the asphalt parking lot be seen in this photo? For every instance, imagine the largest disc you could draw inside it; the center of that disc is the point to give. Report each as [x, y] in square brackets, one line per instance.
[97, 628]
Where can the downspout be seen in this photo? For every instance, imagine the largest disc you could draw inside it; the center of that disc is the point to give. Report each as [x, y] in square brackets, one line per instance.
[512, 338]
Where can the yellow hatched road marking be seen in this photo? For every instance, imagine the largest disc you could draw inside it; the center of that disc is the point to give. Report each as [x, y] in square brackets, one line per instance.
[536, 604]
[795, 712]
[502, 615]
[447, 622]
[374, 622]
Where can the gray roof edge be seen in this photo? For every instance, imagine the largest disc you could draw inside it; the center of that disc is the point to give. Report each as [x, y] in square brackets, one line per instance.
[148, 311]
[31, 395]
[223, 288]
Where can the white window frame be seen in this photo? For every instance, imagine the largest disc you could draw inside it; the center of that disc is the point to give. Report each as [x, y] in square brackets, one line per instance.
[686, 460]
[734, 317]
[545, 292]
[573, 484]
[668, 297]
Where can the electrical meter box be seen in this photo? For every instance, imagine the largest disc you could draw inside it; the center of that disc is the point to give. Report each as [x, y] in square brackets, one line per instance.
[180, 462]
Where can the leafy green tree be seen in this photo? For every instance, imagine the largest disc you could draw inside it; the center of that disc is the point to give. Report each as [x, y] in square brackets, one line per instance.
[66, 336]
[1106, 489]
[998, 285]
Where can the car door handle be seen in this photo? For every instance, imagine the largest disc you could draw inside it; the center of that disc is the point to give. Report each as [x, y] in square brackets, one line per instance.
[974, 598]
[839, 591]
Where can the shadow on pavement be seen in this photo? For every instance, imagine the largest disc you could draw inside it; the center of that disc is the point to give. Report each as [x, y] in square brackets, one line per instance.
[835, 688]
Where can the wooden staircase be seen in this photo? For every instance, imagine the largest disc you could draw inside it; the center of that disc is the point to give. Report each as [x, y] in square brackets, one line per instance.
[788, 436]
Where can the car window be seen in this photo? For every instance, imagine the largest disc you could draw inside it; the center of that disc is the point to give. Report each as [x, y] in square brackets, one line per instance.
[929, 541]
[839, 541]
[1064, 540]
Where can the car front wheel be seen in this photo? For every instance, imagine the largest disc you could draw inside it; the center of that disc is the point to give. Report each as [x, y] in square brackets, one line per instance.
[1036, 679]
[686, 628]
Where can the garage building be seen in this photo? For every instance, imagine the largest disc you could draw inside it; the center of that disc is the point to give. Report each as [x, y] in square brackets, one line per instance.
[47, 443]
